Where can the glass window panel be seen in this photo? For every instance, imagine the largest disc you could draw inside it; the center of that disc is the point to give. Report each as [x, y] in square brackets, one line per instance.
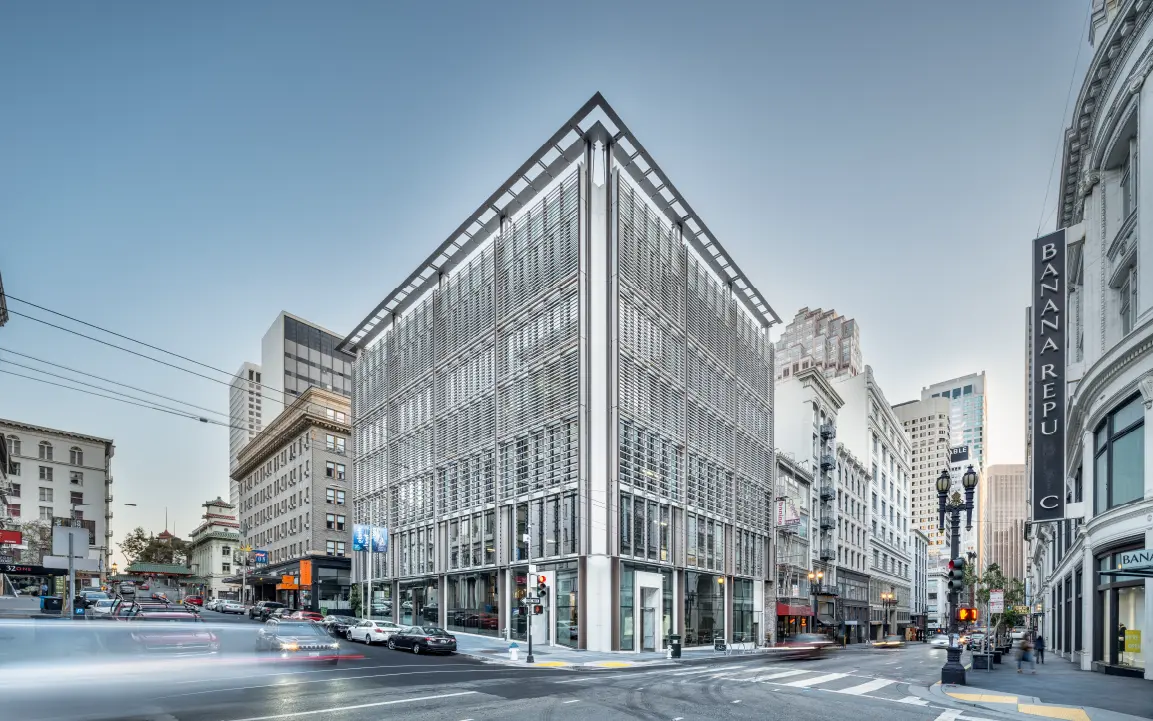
[1128, 481]
[1129, 414]
[1101, 482]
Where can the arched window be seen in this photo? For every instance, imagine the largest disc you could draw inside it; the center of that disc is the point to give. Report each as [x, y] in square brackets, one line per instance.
[13, 446]
[45, 451]
[76, 456]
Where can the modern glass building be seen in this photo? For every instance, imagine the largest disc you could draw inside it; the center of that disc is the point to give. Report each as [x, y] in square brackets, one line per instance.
[579, 378]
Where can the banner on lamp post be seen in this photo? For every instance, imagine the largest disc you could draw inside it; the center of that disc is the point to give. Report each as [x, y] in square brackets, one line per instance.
[360, 537]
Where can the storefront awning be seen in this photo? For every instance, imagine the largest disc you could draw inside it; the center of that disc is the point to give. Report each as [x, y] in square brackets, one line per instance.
[790, 609]
[825, 620]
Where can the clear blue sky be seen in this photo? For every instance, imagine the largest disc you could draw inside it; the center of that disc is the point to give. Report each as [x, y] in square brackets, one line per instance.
[181, 173]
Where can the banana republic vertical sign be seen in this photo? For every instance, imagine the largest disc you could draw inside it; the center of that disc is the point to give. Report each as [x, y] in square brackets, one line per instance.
[1049, 299]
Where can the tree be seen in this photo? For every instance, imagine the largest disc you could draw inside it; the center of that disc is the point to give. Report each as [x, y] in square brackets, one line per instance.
[139, 547]
[38, 541]
[354, 599]
[1014, 588]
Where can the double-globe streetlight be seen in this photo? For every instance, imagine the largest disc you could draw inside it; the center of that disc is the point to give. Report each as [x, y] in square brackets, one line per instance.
[953, 672]
[888, 601]
[815, 579]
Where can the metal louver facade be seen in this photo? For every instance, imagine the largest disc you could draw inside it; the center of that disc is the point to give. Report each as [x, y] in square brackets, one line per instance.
[572, 384]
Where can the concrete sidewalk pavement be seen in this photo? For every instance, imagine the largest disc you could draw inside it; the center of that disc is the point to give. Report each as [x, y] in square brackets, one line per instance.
[1058, 690]
[495, 650]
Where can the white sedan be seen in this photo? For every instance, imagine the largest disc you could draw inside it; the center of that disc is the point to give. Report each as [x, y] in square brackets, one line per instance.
[371, 632]
[231, 607]
[102, 607]
[939, 641]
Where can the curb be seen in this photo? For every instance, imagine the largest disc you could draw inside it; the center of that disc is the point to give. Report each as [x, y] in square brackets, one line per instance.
[1006, 702]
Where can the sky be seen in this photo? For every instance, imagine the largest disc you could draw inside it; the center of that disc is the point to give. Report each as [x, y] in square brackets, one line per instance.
[182, 173]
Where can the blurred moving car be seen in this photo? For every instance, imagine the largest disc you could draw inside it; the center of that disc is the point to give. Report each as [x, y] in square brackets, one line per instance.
[370, 632]
[280, 614]
[891, 641]
[193, 601]
[144, 587]
[231, 607]
[172, 633]
[423, 639]
[301, 640]
[939, 641]
[127, 588]
[338, 625]
[973, 640]
[305, 616]
[804, 645]
[263, 609]
[1017, 633]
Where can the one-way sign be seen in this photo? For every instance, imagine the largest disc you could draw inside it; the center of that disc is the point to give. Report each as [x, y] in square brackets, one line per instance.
[529, 601]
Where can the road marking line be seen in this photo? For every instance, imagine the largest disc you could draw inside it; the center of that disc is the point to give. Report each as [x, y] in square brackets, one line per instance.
[781, 674]
[806, 682]
[326, 680]
[573, 700]
[982, 697]
[866, 687]
[914, 701]
[707, 670]
[333, 709]
[737, 701]
[950, 715]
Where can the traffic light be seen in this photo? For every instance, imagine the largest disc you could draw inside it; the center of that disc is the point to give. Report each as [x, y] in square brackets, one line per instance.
[542, 587]
[956, 575]
[537, 609]
[967, 614]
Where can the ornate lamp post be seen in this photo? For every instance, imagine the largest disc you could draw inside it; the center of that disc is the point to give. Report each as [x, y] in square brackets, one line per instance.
[814, 586]
[953, 672]
[888, 600]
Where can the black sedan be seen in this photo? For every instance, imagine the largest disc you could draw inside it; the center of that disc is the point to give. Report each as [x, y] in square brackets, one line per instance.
[423, 639]
[297, 640]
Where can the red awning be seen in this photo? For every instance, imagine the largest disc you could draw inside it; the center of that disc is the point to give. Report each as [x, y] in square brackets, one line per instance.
[788, 609]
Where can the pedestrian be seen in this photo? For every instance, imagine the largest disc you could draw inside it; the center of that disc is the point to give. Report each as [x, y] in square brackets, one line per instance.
[1040, 646]
[1026, 655]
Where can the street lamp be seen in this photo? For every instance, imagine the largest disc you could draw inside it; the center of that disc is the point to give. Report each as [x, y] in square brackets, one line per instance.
[816, 577]
[953, 672]
[888, 600]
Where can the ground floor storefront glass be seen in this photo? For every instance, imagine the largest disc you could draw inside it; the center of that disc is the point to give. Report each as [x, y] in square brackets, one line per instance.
[790, 626]
[743, 620]
[646, 618]
[419, 602]
[1122, 636]
[567, 607]
[472, 603]
[704, 608]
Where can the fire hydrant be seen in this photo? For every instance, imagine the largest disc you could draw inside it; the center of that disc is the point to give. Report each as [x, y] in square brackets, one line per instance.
[513, 651]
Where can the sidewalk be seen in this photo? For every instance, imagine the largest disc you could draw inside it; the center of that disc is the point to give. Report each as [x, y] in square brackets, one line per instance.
[495, 650]
[1058, 690]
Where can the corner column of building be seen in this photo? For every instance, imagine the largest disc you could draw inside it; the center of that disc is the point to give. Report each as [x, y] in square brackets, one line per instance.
[600, 600]
[1146, 385]
[1088, 598]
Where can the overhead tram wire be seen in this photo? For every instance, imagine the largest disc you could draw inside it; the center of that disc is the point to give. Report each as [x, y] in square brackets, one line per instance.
[154, 407]
[9, 296]
[100, 388]
[135, 353]
[100, 378]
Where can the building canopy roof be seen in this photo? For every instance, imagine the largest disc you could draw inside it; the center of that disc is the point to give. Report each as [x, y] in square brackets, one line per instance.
[160, 569]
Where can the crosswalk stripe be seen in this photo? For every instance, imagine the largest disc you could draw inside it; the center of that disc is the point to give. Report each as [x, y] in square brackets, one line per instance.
[707, 670]
[914, 700]
[867, 686]
[781, 674]
[805, 682]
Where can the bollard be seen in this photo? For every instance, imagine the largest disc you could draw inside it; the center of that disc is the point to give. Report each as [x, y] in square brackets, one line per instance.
[669, 652]
[513, 651]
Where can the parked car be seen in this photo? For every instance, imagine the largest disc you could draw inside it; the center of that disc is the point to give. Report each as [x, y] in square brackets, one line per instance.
[338, 625]
[891, 641]
[940, 640]
[973, 640]
[305, 616]
[145, 587]
[371, 632]
[262, 609]
[87, 599]
[102, 608]
[423, 639]
[1017, 634]
[301, 640]
[231, 607]
[127, 588]
[194, 601]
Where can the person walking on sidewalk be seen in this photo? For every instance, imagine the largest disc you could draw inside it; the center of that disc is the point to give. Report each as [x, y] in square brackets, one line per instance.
[1026, 655]
[1040, 648]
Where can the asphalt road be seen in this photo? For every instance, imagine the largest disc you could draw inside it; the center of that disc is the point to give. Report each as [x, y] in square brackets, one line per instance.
[375, 683]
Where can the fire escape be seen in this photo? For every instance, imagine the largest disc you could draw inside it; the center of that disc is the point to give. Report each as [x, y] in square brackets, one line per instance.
[826, 591]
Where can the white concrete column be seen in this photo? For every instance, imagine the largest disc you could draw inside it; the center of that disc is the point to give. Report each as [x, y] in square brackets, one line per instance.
[1088, 474]
[1088, 600]
[1146, 386]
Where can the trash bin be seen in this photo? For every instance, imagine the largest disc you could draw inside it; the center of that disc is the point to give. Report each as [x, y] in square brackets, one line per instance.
[51, 604]
[675, 645]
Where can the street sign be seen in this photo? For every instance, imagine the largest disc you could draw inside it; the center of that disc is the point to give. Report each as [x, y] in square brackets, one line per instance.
[1022, 610]
[997, 601]
[60, 536]
[13, 537]
[530, 600]
[4, 558]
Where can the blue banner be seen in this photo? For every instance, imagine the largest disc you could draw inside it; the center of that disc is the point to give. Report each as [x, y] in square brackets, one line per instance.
[260, 556]
[360, 537]
[379, 539]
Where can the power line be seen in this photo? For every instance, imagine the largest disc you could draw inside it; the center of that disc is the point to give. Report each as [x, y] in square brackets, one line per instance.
[90, 385]
[1061, 139]
[106, 380]
[129, 350]
[129, 338]
[114, 398]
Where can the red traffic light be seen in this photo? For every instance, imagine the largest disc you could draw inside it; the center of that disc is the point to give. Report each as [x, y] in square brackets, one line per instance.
[541, 580]
[537, 609]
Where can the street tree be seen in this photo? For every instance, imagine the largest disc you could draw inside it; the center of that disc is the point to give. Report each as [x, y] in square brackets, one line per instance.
[142, 547]
[38, 541]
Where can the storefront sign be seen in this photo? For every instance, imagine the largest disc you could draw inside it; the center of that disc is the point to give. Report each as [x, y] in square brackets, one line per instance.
[787, 513]
[1132, 640]
[13, 537]
[1132, 560]
[1048, 377]
[306, 573]
[260, 556]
